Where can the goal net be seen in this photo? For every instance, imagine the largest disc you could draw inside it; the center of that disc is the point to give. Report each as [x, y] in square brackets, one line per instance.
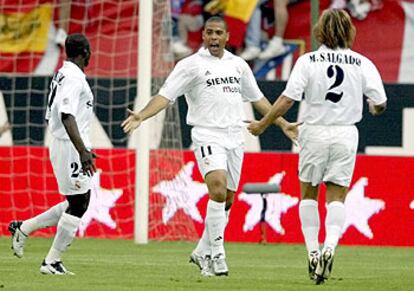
[31, 35]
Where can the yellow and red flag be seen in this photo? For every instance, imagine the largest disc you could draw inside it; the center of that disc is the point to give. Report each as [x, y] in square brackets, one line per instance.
[237, 14]
[23, 36]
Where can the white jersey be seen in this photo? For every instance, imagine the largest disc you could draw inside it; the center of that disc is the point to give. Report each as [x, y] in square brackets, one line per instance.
[70, 93]
[332, 84]
[214, 88]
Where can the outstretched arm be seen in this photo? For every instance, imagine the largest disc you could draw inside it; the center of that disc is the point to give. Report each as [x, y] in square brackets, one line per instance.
[155, 105]
[265, 108]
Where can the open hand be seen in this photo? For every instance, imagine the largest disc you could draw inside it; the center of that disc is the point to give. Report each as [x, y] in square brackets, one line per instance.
[87, 159]
[132, 122]
[291, 131]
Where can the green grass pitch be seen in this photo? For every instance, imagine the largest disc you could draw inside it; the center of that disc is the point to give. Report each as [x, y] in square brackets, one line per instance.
[122, 265]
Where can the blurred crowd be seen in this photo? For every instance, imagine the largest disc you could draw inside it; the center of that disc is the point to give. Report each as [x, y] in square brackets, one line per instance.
[266, 25]
[260, 40]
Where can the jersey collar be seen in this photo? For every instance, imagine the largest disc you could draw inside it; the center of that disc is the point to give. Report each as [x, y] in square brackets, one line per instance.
[325, 48]
[206, 53]
[73, 66]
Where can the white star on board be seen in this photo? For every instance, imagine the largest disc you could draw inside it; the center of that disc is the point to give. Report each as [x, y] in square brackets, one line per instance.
[102, 200]
[181, 193]
[412, 205]
[359, 208]
[277, 204]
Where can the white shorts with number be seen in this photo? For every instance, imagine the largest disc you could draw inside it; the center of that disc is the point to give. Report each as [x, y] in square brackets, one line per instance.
[327, 153]
[68, 168]
[219, 149]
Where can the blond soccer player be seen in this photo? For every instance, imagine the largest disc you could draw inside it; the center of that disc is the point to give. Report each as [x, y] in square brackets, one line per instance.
[332, 82]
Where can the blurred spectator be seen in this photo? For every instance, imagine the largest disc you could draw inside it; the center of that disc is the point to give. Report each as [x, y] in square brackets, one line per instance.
[188, 17]
[275, 45]
[64, 19]
[253, 35]
[358, 9]
[214, 7]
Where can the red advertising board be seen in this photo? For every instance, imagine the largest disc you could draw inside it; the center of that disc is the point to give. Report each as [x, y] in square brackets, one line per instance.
[379, 206]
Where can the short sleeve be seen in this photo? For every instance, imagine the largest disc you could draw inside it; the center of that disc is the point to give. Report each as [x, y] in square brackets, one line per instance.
[177, 83]
[373, 86]
[250, 90]
[69, 93]
[298, 80]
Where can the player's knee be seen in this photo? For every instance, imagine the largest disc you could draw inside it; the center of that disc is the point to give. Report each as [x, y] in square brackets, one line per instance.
[78, 204]
[217, 190]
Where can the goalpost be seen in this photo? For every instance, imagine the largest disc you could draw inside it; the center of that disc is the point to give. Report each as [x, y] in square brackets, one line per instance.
[142, 135]
[121, 74]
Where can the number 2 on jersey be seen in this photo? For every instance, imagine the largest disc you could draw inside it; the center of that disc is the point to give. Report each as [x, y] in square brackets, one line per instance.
[75, 169]
[337, 73]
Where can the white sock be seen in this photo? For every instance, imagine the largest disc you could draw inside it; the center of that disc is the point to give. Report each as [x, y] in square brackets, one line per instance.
[48, 218]
[309, 219]
[66, 230]
[216, 223]
[203, 247]
[335, 219]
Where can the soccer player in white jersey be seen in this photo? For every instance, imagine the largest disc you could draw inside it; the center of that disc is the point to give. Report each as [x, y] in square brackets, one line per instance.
[215, 84]
[69, 112]
[332, 82]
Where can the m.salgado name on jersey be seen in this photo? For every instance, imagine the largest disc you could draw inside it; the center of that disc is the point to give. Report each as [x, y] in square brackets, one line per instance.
[335, 58]
[225, 80]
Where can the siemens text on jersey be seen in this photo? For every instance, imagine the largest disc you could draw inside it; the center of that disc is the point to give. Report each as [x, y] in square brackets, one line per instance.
[225, 80]
[335, 58]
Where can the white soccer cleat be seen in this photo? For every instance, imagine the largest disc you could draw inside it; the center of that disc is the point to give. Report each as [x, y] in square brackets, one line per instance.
[324, 267]
[56, 268]
[250, 53]
[274, 48]
[313, 259]
[203, 263]
[220, 266]
[207, 269]
[18, 238]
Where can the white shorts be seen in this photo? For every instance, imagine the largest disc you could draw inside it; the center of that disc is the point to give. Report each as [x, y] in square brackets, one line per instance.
[68, 168]
[327, 153]
[219, 149]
